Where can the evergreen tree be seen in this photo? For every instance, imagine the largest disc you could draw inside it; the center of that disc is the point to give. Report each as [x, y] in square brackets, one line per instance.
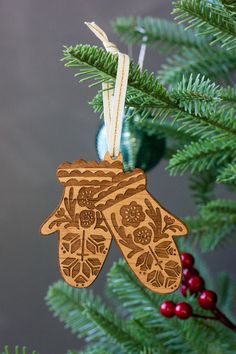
[192, 102]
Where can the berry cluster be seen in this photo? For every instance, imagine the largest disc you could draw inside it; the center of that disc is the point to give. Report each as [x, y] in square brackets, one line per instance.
[181, 310]
[195, 284]
[192, 282]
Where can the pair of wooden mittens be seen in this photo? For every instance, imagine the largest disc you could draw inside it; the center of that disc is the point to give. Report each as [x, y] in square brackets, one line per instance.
[101, 202]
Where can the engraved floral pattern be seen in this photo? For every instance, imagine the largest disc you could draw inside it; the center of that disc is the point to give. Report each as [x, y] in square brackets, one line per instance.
[142, 235]
[85, 197]
[87, 218]
[132, 214]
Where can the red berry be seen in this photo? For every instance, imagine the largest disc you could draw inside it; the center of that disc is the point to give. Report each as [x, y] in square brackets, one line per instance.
[187, 260]
[194, 271]
[196, 284]
[183, 310]
[167, 309]
[188, 273]
[207, 299]
[184, 290]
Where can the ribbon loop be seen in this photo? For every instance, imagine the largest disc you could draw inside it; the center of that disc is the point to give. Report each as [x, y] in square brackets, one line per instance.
[113, 102]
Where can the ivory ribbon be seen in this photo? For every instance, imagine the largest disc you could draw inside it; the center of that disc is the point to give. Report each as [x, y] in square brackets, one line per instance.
[113, 102]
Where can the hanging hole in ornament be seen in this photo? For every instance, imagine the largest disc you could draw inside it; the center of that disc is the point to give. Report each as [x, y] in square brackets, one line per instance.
[110, 158]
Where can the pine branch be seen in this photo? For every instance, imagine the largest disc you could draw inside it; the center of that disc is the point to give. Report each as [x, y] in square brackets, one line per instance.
[119, 332]
[213, 63]
[17, 350]
[215, 225]
[202, 187]
[127, 288]
[209, 18]
[155, 31]
[226, 289]
[86, 316]
[162, 129]
[92, 350]
[202, 156]
[223, 207]
[227, 174]
[230, 5]
[145, 94]
[209, 233]
[197, 95]
[228, 95]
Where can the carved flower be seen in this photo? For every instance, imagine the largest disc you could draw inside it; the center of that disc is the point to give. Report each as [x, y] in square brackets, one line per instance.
[85, 197]
[143, 235]
[132, 214]
[87, 218]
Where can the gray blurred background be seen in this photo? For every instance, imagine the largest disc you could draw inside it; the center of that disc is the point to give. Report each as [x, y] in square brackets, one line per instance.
[44, 120]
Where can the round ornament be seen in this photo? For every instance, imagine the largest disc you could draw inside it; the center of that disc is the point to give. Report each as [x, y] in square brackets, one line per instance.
[137, 147]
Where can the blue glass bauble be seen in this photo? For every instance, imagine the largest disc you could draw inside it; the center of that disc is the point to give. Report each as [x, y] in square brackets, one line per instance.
[137, 147]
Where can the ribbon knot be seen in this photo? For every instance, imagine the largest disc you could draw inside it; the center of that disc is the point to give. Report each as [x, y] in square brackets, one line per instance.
[109, 46]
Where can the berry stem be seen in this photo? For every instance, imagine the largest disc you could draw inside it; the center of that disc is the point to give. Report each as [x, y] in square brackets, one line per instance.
[219, 316]
[223, 319]
[205, 317]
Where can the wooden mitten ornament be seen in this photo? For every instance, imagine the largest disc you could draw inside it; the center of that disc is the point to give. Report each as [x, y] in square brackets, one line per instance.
[102, 202]
[84, 239]
[144, 231]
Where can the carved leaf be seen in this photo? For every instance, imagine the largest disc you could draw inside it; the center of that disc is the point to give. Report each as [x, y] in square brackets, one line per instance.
[98, 238]
[163, 249]
[91, 247]
[141, 259]
[156, 278]
[145, 260]
[151, 275]
[86, 270]
[173, 269]
[70, 236]
[76, 269]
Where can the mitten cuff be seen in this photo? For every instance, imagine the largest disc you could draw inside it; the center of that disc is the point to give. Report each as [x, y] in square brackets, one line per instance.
[124, 185]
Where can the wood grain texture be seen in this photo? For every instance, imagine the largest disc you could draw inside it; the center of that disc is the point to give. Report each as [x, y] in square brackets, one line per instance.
[102, 202]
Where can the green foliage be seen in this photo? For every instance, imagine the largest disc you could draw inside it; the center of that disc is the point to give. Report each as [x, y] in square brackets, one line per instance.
[217, 230]
[230, 5]
[202, 156]
[228, 174]
[140, 310]
[212, 62]
[146, 95]
[155, 31]
[217, 220]
[222, 207]
[228, 94]
[16, 350]
[202, 187]
[227, 288]
[209, 18]
[197, 95]
[87, 317]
